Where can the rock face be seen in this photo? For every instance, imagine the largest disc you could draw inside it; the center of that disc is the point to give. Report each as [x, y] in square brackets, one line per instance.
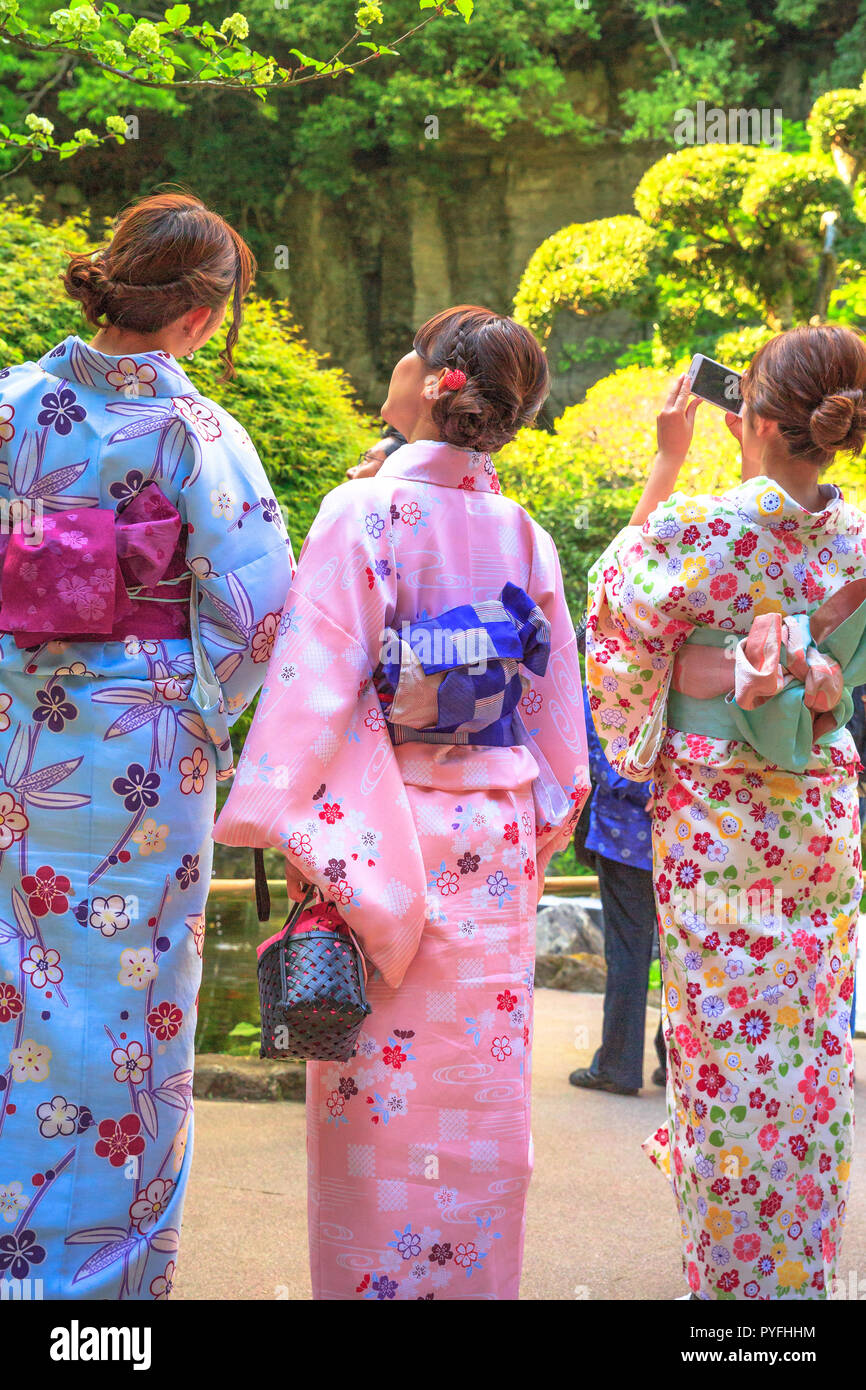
[219, 1077]
[582, 973]
[565, 928]
[360, 283]
[569, 944]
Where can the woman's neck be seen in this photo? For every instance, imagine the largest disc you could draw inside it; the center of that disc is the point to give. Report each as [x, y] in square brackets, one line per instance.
[793, 477]
[118, 342]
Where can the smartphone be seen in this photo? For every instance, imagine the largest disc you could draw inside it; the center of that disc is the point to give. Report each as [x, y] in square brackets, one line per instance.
[716, 383]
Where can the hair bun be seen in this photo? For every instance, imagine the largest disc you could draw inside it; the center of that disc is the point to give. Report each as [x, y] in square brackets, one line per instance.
[86, 281]
[839, 422]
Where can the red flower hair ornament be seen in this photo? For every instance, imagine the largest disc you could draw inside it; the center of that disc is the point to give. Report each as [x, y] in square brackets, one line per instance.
[453, 380]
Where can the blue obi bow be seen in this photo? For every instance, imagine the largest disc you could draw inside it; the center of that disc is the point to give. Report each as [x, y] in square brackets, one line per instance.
[456, 678]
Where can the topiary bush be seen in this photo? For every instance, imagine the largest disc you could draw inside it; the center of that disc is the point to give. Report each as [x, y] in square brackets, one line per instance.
[589, 267]
[583, 482]
[300, 415]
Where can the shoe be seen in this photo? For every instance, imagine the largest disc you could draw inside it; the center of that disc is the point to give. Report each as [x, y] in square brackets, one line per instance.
[659, 1077]
[587, 1079]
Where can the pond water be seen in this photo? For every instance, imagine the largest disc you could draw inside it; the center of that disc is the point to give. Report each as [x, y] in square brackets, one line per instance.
[229, 996]
[228, 1009]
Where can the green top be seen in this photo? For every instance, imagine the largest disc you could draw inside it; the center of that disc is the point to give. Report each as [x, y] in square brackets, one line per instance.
[780, 730]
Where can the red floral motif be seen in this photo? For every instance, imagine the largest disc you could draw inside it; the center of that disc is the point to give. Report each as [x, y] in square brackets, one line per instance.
[11, 1003]
[119, 1140]
[164, 1020]
[46, 891]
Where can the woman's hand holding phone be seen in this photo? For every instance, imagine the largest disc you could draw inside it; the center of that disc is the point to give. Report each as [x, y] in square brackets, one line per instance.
[676, 423]
[675, 426]
[735, 425]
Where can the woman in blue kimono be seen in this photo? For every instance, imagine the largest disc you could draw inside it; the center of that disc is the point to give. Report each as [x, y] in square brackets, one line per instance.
[141, 584]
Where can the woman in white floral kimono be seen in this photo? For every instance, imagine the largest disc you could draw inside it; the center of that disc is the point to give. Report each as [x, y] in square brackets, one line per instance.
[724, 635]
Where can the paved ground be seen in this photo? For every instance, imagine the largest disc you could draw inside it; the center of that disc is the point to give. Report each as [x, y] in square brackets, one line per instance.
[601, 1221]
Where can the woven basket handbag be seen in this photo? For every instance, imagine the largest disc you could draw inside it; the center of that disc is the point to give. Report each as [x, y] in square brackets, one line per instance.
[312, 978]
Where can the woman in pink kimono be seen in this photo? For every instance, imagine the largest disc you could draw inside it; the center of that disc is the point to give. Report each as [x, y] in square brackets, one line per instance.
[419, 754]
[724, 637]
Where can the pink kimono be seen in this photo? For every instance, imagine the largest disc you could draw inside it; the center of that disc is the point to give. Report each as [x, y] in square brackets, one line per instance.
[419, 1148]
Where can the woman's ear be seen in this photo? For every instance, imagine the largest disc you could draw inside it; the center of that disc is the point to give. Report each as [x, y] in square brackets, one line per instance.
[433, 383]
[194, 322]
[764, 429]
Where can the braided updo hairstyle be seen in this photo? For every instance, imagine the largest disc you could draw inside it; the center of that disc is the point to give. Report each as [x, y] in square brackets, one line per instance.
[169, 254]
[507, 378]
[812, 381]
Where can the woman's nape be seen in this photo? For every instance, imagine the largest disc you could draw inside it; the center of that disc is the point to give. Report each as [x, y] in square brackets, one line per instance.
[183, 336]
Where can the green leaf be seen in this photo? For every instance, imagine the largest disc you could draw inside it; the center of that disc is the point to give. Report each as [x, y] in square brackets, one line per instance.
[739, 1113]
[717, 1139]
[783, 1068]
[717, 1114]
[177, 15]
[245, 1030]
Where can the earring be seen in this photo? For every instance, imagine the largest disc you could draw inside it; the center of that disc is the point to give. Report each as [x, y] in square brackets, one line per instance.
[190, 356]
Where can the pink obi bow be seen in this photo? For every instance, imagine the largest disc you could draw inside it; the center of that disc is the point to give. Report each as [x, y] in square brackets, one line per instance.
[71, 582]
[775, 652]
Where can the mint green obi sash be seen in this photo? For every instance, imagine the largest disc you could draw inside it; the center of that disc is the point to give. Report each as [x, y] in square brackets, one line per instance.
[781, 729]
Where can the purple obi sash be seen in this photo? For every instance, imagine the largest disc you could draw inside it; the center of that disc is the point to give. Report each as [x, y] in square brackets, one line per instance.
[96, 575]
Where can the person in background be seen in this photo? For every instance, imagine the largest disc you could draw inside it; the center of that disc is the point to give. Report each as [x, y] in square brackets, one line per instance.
[371, 460]
[620, 835]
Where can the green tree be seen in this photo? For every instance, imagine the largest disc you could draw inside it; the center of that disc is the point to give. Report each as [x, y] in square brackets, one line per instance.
[172, 55]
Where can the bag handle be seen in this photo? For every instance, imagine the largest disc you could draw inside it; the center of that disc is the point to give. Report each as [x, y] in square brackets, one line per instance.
[263, 892]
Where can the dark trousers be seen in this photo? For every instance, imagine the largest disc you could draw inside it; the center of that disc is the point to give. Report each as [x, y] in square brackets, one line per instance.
[629, 909]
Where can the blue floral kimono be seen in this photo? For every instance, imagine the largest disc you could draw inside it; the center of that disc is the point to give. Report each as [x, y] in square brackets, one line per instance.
[145, 563]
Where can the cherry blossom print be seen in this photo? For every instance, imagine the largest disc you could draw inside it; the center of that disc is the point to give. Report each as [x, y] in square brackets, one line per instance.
[42, 966]
[150, 837]
[193, 772]
[109, 915]
[7, 429]
[46, 891]
[151, 1204]
[200, 416]
[120, 1140]
[13, 820]
[57, 1117]
[131, 1063]
[61, 410]
[164, 1020]
[132, 378]
[264, 637]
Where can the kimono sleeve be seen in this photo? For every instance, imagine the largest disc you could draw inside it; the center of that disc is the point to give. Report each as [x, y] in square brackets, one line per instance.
[553, 713]
[637, 622]
[318, 777]
[241, 560]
